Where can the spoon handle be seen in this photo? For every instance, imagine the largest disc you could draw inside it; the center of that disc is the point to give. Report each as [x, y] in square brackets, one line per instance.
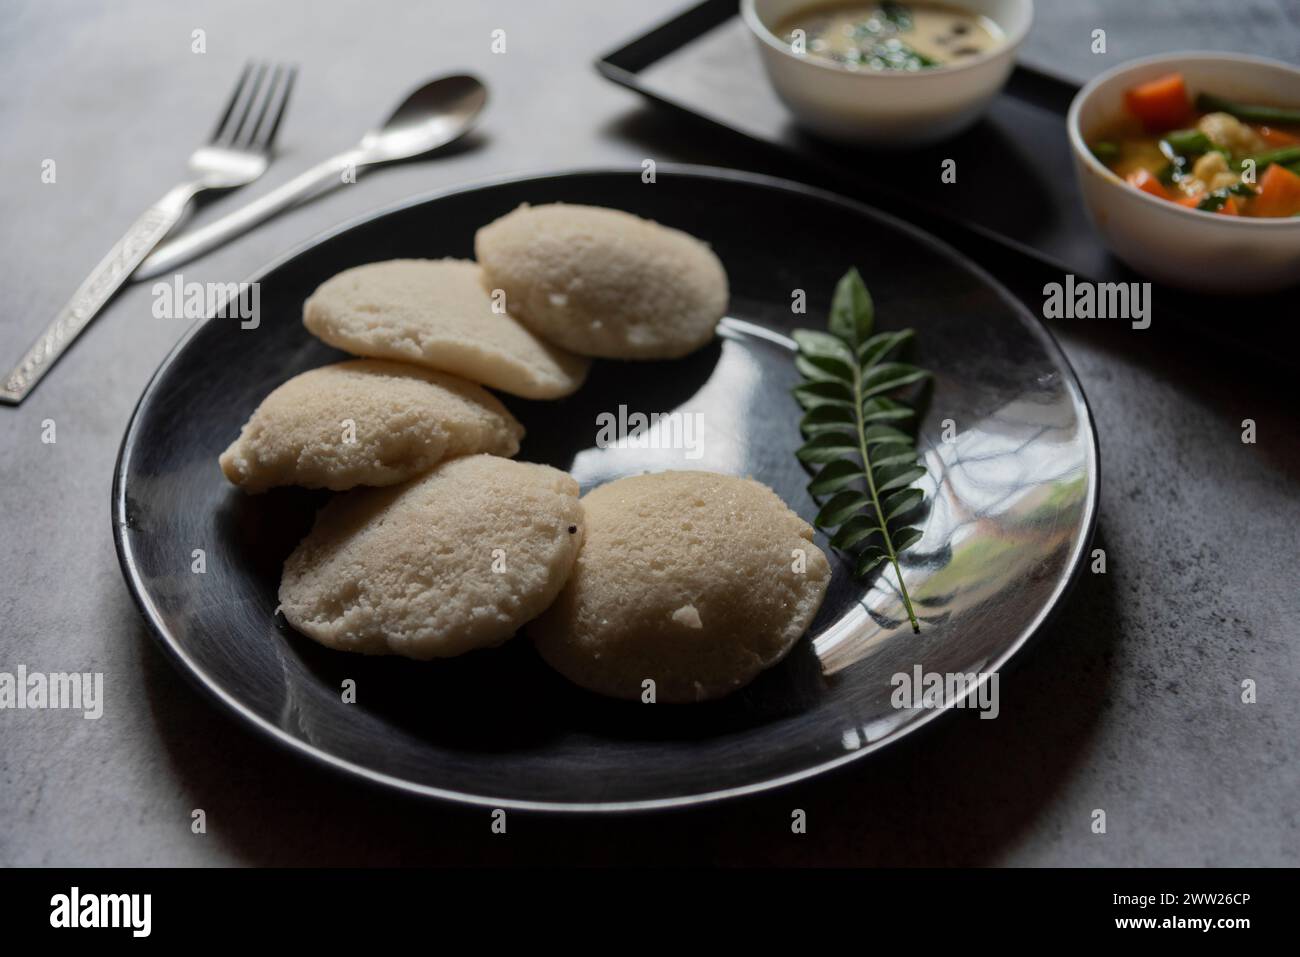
[319, 178]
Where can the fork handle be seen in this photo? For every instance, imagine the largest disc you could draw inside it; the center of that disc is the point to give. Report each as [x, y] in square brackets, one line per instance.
[97, 289]
[324, 175]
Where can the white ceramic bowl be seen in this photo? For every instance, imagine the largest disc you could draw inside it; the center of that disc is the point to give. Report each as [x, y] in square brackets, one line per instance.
[1189, 248]
[886, 108]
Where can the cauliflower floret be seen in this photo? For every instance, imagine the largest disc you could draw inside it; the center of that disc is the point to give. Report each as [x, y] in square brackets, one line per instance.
[1210, 172]
[1229, 132]
[1209, 165]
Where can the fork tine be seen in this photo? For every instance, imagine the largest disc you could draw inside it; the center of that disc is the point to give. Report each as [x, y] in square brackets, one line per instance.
[268, 125]
[232, 103]
[250, 104]
[257, 109]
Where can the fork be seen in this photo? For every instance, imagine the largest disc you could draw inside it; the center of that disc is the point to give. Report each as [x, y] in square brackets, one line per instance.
[238, 153]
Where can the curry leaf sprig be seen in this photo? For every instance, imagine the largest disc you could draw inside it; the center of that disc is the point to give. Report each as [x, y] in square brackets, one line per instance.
[854, 426]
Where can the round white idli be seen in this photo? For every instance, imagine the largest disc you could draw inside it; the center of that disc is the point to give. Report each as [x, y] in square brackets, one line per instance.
[686, 578]
[454, 560]
[601, 282]
[365, 422]
[436, 313]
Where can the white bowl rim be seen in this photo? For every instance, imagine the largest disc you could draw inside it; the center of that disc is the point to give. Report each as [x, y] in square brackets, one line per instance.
[1081, 147]
[761, 30]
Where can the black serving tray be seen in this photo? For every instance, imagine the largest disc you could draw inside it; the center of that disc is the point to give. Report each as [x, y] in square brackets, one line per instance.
[1015, 179]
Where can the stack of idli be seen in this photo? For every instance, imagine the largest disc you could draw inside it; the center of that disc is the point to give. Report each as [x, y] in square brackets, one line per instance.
[438, 544]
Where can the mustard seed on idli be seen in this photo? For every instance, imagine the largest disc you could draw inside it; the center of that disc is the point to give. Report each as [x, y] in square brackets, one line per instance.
[437, 313]
[365, 422]
[601, 282]
[454, 560]
[694, 580]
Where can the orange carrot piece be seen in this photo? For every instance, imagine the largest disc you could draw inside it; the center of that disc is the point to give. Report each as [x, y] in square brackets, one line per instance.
[1229, 207]
[1143, 180]
[1161, 104]
[1275, 137]
[1279, 193]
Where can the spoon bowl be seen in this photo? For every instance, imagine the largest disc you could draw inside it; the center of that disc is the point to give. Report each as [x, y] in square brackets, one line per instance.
[432, 116]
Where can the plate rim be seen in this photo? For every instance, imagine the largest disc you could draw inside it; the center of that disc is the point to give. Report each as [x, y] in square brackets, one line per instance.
[322, 758]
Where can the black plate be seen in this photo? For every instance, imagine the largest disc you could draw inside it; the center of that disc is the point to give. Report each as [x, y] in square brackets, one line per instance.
[1014, 500]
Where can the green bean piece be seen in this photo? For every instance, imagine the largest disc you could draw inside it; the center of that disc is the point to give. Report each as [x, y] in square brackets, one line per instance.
[1251, 113]
[1213, 202]
[1105, 150]
[1188, 142]
[1283, 156]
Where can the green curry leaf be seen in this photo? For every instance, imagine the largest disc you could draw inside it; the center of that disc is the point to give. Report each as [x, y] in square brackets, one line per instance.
[854, 429]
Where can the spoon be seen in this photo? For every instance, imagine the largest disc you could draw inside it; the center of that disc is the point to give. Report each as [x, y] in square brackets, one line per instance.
[436, 114]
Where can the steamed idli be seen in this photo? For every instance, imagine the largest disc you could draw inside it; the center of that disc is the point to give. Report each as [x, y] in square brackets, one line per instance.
[365, 422]
[454, 560]
[601, 282]
[691, 579]
[437, 313]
